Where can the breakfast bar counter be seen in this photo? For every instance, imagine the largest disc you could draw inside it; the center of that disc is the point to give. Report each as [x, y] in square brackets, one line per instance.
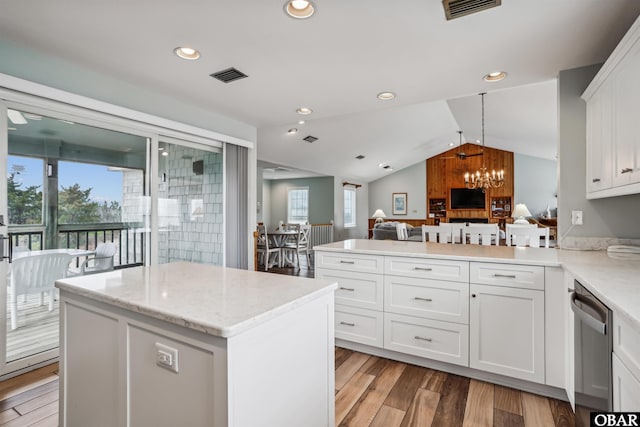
[190, 344]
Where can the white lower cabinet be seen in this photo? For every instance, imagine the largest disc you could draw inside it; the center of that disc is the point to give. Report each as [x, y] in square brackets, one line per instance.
[626, 388]
[506, 329]
[359, 325]
[444, 341]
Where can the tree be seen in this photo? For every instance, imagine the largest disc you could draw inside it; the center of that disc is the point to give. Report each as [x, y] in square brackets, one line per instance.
[75, 206]
[110, 212]
[25, 206]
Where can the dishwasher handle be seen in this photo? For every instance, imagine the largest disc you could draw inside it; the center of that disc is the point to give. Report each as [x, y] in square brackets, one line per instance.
[599, 325]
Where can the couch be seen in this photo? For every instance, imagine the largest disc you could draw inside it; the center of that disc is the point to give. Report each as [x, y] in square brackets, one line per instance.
[387, 231]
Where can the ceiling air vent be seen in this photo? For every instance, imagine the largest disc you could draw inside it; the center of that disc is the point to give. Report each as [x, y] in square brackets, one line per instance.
[229, 75]
[310, 139]
[458, 8]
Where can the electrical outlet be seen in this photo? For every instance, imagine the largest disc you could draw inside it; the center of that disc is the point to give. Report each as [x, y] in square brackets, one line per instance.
[167, 357]
[576, 217]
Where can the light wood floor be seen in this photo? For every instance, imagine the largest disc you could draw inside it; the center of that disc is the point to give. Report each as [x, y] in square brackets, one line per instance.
[370, 391]
[37, 330]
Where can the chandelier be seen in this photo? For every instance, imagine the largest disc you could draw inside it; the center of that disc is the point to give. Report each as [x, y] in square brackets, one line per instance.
[482, 178]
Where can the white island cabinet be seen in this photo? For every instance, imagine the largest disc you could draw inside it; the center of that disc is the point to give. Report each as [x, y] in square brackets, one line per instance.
[188, 344]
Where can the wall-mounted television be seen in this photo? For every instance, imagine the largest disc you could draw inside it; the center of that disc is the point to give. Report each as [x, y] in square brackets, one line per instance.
[465, 198]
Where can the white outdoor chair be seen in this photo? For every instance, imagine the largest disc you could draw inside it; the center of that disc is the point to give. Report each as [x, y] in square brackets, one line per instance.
[526, 235]
[401, 229]
[35, 274]
[435, 233]
[102, 260]
[482, 234]
[266, 248]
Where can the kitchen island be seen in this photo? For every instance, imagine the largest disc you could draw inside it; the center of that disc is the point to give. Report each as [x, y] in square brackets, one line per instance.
[189, 344]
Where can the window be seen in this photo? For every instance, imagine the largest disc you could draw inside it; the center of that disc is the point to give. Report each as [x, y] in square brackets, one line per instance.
[349, 206]
[298, 205]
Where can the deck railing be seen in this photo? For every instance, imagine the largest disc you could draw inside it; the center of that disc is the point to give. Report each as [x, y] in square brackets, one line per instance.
[130, 241]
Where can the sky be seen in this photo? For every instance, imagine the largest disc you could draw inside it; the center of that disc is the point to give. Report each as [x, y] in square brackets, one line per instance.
[106, 185]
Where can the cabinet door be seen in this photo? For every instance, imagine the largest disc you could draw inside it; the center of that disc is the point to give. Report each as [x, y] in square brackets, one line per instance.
[506, 329]
[626, 141]
[599, 139]
[626, 388]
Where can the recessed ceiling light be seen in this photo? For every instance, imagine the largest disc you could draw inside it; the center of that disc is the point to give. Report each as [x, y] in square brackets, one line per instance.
[304, 111]
[16, 117]
[495, 76]
[451, 144]
[165, 153]
[477, 141]
[381, 165]
[187, 53]
[300, 122]
[299, 9]
[292, 131]
[386, 96]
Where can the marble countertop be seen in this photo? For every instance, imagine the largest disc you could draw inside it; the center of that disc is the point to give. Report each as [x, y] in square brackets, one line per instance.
[614, 279]
[504, 254]
[214, 300]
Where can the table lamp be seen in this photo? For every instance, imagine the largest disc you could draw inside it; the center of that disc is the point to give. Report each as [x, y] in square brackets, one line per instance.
[519, 213]
[378, 215]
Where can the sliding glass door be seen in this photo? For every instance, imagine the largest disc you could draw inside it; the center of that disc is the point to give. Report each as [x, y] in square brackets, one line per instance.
[190, 203]
[66, 190]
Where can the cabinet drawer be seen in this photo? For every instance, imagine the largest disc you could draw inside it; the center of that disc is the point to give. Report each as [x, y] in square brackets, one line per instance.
[349, 262]
[355, 289]
[511, 275]
[457, 271]
[626, 344]
[444, 341]
[433, 299]
[359, 325]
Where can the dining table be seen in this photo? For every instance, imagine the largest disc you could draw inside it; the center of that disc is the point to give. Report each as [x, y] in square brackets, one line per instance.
[279, 238]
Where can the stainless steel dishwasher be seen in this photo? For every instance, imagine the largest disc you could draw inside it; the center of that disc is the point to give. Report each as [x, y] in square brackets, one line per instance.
[593, 346]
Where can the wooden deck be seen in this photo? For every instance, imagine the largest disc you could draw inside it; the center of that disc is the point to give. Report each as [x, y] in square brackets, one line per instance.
[37, 330]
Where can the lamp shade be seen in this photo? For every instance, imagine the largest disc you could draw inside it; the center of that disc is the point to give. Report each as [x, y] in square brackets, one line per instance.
[378, 215]
[520, 212]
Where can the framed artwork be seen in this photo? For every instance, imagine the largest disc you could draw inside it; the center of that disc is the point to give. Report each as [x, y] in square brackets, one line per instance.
[399, 203]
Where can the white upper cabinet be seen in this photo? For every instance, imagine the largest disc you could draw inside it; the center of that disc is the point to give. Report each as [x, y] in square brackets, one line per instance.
[613, 122]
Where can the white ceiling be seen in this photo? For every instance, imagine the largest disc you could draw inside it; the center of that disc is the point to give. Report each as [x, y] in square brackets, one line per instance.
[336, 62]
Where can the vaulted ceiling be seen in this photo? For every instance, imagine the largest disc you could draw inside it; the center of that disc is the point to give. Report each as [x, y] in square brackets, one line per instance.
[335, 63]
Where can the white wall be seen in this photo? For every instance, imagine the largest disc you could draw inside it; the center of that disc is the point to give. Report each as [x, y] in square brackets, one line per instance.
[411, 180]
[535, 183]
[610, 217]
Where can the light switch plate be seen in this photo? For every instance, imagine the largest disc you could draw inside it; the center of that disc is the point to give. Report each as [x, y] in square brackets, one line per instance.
[167, 357]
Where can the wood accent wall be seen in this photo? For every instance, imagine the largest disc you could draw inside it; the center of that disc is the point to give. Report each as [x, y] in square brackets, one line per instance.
[446, 171]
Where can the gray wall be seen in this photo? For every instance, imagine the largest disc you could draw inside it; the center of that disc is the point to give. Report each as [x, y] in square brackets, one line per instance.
[611, 217]
[321, 200]
[51, 71]
[535, 183]
[411, 180]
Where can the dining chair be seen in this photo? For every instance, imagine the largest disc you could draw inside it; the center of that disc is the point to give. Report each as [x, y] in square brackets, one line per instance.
[35, 274]
[102, 260]
[265, 248]
[522, 235]
[482, 234]
[299, 243]
[435, 233]
[401, 231]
